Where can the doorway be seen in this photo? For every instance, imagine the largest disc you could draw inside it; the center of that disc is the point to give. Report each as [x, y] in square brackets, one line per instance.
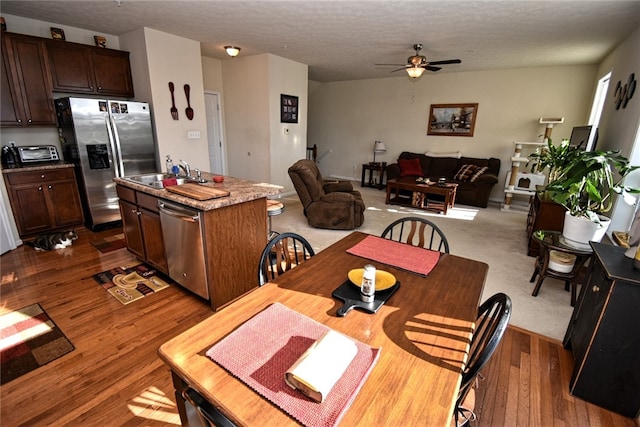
[214, 132]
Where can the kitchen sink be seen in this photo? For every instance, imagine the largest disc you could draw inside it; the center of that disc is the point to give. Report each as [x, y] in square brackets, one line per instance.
[155, 179]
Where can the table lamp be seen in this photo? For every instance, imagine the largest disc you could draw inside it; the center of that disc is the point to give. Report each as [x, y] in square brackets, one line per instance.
[378, 147]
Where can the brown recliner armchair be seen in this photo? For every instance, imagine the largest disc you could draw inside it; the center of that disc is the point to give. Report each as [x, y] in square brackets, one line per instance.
[327, 204]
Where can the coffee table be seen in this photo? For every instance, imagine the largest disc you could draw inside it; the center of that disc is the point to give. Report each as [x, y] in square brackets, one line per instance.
[405, 191]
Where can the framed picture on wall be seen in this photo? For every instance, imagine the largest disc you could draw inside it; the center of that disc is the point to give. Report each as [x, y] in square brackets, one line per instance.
[452, 119]
[288, 109]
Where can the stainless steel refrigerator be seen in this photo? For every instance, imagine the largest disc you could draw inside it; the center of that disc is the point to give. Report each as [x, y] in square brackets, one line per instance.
[105, 139]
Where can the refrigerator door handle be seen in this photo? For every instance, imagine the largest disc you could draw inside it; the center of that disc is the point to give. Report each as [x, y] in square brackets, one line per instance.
[114, 152]
[118, 153]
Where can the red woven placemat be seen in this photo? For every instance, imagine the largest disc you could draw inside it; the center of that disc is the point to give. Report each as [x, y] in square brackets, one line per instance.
[261, 350]
[401, 255]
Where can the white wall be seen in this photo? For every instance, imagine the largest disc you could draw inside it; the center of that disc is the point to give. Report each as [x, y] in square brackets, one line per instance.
[33, 27]
[246, 96]
[618, 129]
[167, 57]
[289, 78]
[212, 74]
[347, 117]
[212, 78]
[257, 147]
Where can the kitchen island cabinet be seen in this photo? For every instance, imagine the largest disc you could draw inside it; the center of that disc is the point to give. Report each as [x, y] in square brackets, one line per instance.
[43, 198]
[141, 226]
[234, 231]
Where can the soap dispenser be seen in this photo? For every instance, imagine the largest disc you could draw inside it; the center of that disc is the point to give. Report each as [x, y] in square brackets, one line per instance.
[169, 163]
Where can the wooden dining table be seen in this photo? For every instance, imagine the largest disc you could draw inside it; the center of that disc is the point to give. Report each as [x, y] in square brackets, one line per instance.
[423, 330]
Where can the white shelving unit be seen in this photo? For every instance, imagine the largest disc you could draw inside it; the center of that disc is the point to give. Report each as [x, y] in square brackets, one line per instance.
[524, 183]
[517, 182]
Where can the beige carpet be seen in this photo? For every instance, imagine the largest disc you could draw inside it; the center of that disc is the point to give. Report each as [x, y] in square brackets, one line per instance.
[489, 235]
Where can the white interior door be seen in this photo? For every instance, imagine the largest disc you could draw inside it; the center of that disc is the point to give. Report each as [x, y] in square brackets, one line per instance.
[214, 132]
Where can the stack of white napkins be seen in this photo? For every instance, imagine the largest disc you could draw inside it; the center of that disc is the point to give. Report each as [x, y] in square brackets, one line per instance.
[321, 366]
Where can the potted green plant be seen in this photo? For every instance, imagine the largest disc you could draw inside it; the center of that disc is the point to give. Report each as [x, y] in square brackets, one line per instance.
[586, 186]
[553, 157]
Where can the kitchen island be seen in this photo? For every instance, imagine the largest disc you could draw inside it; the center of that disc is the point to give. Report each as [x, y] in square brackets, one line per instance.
[220, 262]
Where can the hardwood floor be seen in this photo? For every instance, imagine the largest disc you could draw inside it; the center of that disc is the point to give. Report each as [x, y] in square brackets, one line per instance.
[114, 376]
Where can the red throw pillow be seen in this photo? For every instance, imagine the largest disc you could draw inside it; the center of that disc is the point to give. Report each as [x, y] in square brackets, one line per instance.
[410, 167]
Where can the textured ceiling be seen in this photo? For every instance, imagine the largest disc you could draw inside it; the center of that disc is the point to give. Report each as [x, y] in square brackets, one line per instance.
[342, 40]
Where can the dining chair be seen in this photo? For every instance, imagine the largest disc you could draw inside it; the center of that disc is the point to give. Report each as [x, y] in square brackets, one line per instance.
[282, 253]
[493, 318]
[417, 231]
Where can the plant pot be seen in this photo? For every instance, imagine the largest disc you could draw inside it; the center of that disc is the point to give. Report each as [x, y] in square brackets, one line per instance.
[579, 231]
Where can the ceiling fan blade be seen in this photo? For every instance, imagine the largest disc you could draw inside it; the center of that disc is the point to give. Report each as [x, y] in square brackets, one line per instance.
[447, 61]
[430, 68]
[395, 65]
[403, 68]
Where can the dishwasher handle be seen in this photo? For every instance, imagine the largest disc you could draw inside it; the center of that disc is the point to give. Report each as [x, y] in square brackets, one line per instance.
[189, 217]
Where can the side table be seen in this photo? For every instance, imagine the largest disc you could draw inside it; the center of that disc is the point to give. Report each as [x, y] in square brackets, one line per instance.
[380, 168]
[553, 240]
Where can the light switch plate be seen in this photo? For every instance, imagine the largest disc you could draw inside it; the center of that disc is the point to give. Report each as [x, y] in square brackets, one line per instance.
[193, 134]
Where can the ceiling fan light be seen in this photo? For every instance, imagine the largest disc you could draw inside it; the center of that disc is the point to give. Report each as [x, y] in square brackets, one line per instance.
[415, 72]
[232, 51]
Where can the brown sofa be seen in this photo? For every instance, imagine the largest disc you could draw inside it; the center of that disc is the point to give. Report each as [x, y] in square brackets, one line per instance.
[474, 193]
[327, 204]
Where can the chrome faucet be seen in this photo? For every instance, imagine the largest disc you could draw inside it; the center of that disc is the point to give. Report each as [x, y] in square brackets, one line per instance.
[186, 168]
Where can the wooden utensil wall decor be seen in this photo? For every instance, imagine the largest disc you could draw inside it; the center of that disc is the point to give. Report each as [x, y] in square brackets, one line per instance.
[188, 111]
[174, 110]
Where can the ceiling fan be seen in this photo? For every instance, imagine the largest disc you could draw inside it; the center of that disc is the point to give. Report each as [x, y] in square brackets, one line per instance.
[416, 64]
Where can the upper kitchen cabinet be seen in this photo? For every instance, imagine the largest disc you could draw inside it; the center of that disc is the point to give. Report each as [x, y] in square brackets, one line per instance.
[78, 68]
[27, 98]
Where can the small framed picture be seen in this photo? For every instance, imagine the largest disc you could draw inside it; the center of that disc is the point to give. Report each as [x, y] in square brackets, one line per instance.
[288, 109]
[100, 41]
[57, 33]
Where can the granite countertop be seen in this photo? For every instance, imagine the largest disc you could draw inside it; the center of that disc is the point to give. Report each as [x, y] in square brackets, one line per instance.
[240, 190]
[37, 167]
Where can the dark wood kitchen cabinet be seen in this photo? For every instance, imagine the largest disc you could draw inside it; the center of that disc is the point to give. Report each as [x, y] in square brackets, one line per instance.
[78, 68]
[603, 334]
[44, 200]
[141, 225]
[27, 98]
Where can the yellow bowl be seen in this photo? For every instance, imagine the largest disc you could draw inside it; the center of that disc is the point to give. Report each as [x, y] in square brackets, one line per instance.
[384, 279]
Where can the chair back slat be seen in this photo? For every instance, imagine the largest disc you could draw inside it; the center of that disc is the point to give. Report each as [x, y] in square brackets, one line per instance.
[282, 253]
[420, 232]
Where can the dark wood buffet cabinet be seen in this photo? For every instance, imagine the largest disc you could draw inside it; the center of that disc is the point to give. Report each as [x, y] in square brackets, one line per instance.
[43, 199]
[604, 334]
[34, 67]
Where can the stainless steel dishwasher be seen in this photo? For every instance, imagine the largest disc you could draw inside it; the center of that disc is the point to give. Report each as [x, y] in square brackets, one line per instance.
[182, 231]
